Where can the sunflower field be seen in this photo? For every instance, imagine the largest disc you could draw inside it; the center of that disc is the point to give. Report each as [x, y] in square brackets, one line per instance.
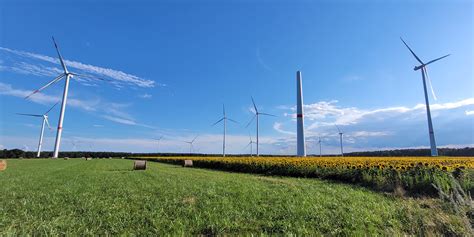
[414, 175]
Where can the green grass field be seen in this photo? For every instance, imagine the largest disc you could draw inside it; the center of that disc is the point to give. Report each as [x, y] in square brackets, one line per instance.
[57, 197]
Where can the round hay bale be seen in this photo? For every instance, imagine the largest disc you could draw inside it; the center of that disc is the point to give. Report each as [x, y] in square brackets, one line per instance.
[188, 163]
[3, 165]
[89, 158]
[139, 165]
[66, 158]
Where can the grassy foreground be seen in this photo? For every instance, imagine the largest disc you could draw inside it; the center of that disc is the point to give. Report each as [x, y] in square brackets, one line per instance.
[57, 197]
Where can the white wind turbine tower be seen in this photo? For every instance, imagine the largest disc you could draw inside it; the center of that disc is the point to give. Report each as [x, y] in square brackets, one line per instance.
[257, 113]
[340, 139]
[191, 144]
[45, 121]
[424, 74]
[301, 142]
[224, 120]
[68, 75]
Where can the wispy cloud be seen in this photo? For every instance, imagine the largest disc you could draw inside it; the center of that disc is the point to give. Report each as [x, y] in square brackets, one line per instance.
[469, 112]
[329, 113]
[145, 96]
[261, 61]
[119, 78]
[113, 111]
[279, 128]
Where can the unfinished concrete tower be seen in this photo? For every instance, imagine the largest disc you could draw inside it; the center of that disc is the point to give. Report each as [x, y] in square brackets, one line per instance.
[301, 147]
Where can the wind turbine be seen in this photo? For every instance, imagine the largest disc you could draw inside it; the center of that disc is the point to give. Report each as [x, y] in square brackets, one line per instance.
[340, 139]
[424, 74]
[191, 144]
[224, 120]
[320, 150]
[68, 75]
[45, 121]
[257, 113]
[250, 144]
[74, 144]
[158, 141]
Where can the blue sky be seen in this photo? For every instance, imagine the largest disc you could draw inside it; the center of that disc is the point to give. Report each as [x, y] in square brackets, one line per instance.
[172, 64]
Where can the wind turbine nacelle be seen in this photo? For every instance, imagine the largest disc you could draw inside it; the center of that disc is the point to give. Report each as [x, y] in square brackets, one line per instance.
[416, 68]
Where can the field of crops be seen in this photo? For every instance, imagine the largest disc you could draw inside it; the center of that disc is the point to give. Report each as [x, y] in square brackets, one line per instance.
[415, 175]
[105, 197]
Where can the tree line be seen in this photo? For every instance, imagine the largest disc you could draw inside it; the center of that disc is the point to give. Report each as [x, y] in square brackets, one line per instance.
[18, 153]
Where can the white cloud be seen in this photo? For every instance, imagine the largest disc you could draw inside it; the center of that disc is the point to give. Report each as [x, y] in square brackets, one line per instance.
[113, 111]
[261, 62]
[7, 89]
[120, 120]
[119, 77]
[279, 128]
[469, 112]
[329, 113]
[369, 134]
[145, 96]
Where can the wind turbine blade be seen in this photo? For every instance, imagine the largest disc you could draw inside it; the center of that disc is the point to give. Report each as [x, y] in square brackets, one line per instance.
[434, 60]
[217, 122]
[47, 122]
[254, 106]
[251, 120]
[44, 87]
[32, 115]
[248, 145]
[194, 138]
[51, 108]
[232, 120]
[429, 82]
[59, 55]
[418, 59]
[339, 130]
[223, 109]
[267, 114]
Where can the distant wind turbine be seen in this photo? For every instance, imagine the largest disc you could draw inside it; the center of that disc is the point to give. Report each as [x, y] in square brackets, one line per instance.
[320, 150]
[424, 74]
[251, 142]
[340, 139]
[158, 142]
[257, 113]
[191, 147]
[68, 75]
[45, 121]
[224, 120]
[74, 143]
